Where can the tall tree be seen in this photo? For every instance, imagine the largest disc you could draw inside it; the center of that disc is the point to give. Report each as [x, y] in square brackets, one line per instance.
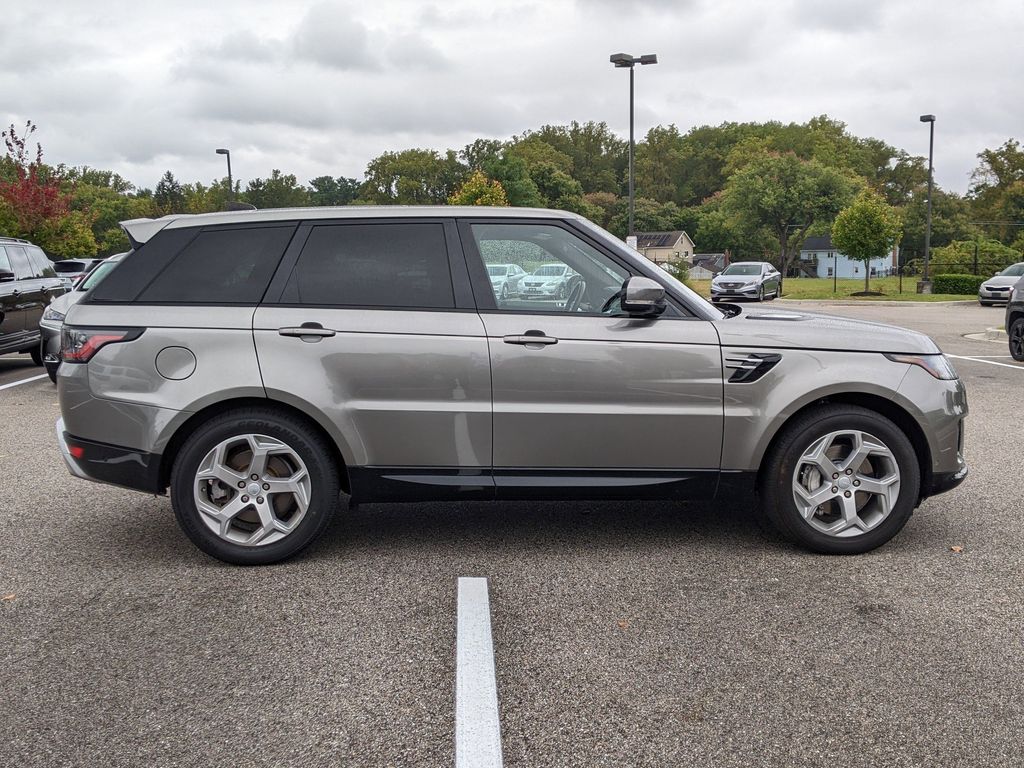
[279, 190]
[412, 177]
[867, 229]
[327, 190]
[479, 190]
[168, 195]
[788, 196]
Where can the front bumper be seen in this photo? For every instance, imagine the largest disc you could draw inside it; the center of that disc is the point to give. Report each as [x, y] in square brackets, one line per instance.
[986, 294]
[719, 292]
[110, 464]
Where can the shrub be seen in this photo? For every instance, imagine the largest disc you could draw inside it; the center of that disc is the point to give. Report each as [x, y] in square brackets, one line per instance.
[960, 285]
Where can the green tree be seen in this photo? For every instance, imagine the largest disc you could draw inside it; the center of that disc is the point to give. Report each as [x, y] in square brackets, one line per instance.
[479, 190]
[997, 190]
[866, 229]
[513, 174]
[412, 177]
[279, 190]
[648, 216]
[169, 195]
[788, 196]
[961, 256]
[327, 190]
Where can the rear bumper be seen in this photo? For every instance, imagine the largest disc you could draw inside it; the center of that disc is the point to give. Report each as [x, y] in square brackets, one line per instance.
[945, 481]
[110, 464]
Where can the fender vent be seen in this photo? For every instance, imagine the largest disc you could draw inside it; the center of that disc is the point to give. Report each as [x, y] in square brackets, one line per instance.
[749, 368]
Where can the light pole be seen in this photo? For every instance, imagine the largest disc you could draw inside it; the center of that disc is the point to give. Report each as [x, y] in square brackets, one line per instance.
[925, 285]
[231, 186]
[626, 60]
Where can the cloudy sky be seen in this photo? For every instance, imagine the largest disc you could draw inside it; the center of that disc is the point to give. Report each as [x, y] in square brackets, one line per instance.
[322, 87]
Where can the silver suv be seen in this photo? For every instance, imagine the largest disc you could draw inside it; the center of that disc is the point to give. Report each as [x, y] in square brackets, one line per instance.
[255, 364]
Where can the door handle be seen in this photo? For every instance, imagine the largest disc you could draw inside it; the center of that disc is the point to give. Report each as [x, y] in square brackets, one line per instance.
[306, 330]
[530, 337]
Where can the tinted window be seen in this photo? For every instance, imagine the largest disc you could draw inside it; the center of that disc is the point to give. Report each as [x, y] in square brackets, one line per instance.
[40, 263]
[226, 266]
[5, 263]
[23, 269]
[373, 265]
[70, 265]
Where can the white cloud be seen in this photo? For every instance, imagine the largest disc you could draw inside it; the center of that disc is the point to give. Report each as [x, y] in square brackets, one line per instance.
[323, 88]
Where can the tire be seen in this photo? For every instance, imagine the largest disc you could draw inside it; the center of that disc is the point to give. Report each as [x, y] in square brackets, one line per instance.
[504, 292]
[985, 303]
[51, 371]
[1016, 339]
[37, 355]
[787, 462]
[760, 294]
[293, 447]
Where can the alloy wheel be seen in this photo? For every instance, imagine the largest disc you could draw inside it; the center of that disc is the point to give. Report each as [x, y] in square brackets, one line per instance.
[846, 483]
[1017, 340]
[252, 490]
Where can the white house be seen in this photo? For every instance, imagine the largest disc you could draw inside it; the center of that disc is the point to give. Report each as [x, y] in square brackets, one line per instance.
[663, 247]
[823, 259]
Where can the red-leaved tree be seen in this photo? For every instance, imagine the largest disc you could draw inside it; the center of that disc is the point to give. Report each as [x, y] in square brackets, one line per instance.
[34, 195]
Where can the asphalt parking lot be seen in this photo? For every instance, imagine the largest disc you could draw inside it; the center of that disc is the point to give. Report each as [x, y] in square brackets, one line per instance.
[624, 633]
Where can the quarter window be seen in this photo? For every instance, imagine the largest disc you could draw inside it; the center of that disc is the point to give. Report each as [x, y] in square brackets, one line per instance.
[223, 266]
[540, 267]
[373, 265]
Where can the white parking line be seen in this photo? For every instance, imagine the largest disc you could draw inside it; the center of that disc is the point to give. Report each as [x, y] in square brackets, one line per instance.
[23, 381]
[477, 727]
[987, 362]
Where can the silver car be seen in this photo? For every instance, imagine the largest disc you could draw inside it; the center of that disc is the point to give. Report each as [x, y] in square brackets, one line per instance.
[996, 290]
[756, 280]
[255, 364]
[506, 279]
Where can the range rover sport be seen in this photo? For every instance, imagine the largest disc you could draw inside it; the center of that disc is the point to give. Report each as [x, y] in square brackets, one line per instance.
[256, 364]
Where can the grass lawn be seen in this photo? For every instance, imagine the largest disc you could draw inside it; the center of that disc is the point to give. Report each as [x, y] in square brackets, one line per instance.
[821, 288]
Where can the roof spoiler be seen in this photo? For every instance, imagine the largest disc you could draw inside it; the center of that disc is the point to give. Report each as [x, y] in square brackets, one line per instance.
[139, 231]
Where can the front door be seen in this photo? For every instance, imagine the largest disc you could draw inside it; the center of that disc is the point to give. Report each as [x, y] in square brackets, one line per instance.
[583, 400]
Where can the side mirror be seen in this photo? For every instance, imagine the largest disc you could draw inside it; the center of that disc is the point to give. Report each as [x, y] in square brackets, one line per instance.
[6, 276]
[642, 296]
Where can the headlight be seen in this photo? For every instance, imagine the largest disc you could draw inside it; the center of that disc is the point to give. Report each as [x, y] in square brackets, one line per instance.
[53, 315]
[937, 365]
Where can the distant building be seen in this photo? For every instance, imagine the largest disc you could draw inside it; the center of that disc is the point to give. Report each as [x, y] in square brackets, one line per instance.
[707, 265]
[663, 247]
[819, 257]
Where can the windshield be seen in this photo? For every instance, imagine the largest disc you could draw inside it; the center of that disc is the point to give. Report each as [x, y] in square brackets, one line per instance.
[742, 269]
[496, 271]
[1015, 270]
[98, 273]
[549, 270]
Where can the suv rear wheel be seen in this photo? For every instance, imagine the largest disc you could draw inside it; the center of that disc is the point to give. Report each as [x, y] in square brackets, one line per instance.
[252, 487]
[841, 480]
[1016, 336]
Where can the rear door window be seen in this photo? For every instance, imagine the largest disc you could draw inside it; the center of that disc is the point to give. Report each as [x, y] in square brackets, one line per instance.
[23, 269]
[221, 266]
[396, 265]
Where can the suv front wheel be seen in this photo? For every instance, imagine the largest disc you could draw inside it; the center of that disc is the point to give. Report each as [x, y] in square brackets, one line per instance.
[841, 480]
[252, 487]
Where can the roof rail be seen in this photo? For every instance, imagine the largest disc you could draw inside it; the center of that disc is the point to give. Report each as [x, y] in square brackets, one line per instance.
[14, 240]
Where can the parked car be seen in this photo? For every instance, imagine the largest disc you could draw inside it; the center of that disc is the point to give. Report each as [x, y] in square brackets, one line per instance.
[550, 281]
[254, 364]
[71, 271]
[27, 285]
[506, 279]
[747, 280]
[53, 316]
[996, 290]
[1015, 321]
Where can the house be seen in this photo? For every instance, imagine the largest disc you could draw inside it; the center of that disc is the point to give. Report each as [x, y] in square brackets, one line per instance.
[707, 265]
[819, 257]
[663, 247]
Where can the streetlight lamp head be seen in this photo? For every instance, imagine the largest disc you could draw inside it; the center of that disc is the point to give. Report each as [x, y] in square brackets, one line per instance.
[927, 118]
[621, 59]
[649, 58]
[223, 152]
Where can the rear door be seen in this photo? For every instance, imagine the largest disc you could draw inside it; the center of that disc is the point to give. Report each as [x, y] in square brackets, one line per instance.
[586, 401]
[28, 292]
[371, 324]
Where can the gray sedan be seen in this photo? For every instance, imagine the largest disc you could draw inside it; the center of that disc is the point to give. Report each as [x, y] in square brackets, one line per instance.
[997, 288]
[747, 280]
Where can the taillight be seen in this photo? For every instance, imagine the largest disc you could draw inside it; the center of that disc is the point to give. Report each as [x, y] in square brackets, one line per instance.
[78, 345]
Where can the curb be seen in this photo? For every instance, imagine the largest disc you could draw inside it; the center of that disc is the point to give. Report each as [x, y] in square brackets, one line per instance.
[862, 302]
[996, 334]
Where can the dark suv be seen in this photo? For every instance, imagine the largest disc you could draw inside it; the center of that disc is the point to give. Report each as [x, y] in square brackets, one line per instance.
[27, 284]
